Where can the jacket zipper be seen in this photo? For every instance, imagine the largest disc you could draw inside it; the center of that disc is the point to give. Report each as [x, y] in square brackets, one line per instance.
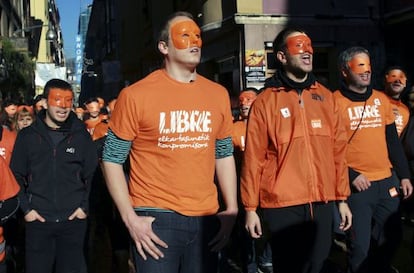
[307, 145]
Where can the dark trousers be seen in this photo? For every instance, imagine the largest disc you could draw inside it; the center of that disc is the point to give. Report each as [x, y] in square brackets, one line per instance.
[187, 239]
[55, 244]
[376, 227]
[300, 236]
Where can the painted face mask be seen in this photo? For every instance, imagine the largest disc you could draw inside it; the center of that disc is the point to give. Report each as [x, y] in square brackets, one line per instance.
[299, 44]
[60, 98]
[396, 75]
[186, 34]
[247, 98]
[360, 64]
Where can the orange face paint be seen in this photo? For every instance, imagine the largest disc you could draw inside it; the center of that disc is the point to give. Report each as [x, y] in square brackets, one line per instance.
[60, 98]
[186, 34]
[247, 98]
[396, 75]
[360, 64]
[299, 44]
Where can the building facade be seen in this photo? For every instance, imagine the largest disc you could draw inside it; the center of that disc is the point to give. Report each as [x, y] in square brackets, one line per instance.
[238, 34]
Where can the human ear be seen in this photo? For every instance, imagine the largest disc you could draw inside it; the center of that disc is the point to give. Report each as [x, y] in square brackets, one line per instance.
[162, 47]
[281, 57]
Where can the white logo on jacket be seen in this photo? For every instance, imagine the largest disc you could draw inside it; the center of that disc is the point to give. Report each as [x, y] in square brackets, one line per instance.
[316, 123]
[70, 150]
[285, 112]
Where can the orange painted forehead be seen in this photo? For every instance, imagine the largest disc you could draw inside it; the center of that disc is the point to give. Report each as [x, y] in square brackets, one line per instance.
[298, 44]
[185, 34]
[61, 98]
[248, 95]
[396, 75]
[360, 63]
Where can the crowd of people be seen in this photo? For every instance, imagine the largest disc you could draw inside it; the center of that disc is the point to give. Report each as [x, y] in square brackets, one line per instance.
[165, 178]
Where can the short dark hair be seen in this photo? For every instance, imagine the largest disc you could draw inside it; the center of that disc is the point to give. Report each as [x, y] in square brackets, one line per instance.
[90, 100]
[279, 43]
[394, 67]
[56, 83]
[253, 89]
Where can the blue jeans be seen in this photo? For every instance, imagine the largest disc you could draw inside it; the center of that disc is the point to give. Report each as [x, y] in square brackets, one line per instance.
[187, 238]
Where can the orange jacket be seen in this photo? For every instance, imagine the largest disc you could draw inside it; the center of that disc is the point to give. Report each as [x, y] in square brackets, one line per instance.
[295, 149]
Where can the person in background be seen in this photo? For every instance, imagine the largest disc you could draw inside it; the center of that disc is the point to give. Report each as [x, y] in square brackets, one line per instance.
[254, 253]
[7, 142]
[376, 185]
[175, 125]
[24, 117]
[14, 228]
[53, 161]
[39, 103]
[105, 220]
[395, 82]
[9, 205]
[294, 166]
[7, 114]
[79, 111]
[93, 116]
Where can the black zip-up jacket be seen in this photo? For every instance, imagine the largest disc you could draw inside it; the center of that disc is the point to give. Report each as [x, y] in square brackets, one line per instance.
[54, 180]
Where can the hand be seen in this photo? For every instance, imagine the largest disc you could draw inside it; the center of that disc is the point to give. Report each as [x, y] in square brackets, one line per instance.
[406, 188]
[361, 183]
[32, 216]
[346, 216]
[227, 220]
[79, 214]
[253, 224]
[146, 241]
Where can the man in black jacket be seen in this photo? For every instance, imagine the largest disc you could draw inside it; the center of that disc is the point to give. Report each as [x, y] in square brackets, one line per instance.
[54, 160]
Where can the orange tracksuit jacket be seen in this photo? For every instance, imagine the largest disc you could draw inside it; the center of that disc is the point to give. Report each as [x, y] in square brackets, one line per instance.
[295, 149]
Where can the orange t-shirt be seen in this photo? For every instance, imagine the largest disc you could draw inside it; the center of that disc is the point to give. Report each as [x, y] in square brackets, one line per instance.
[173, 127]
[367, 151]
[91, 123]
[7, 143]
[401, 113]
[101, 130]
[9, 186]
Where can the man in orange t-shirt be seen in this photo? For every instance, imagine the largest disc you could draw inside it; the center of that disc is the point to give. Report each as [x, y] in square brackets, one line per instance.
[175, 125]
[395, 82]
[378, 169]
